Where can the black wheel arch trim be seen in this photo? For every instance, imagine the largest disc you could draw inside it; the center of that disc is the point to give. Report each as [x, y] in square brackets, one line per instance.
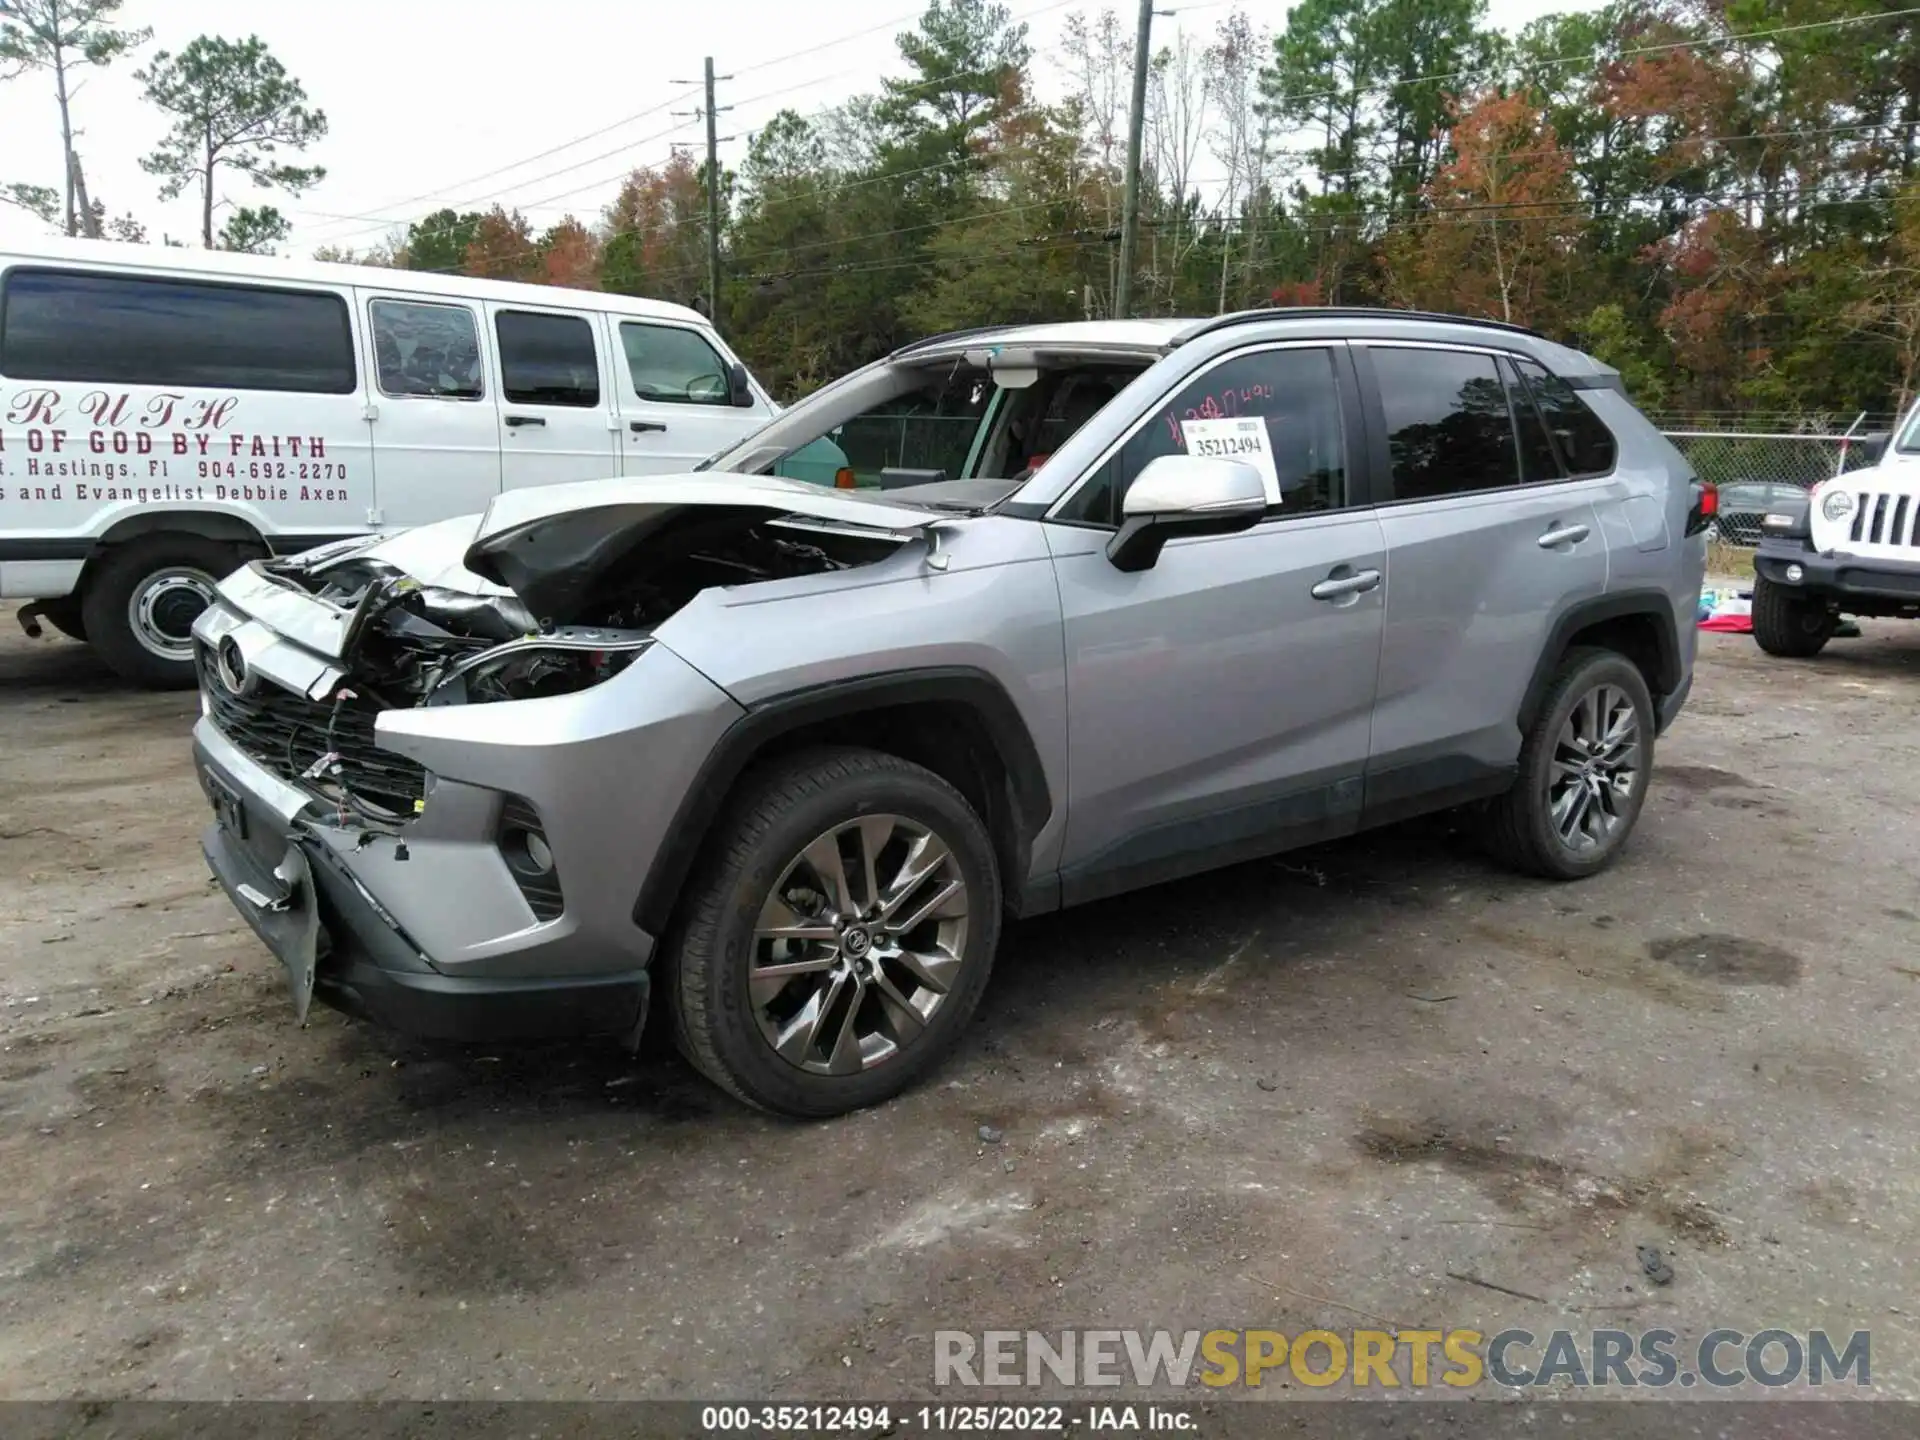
[1655, 605]
[768, 720]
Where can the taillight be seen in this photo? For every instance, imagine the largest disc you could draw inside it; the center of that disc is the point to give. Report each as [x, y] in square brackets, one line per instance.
[844, 479]
[1706, 505]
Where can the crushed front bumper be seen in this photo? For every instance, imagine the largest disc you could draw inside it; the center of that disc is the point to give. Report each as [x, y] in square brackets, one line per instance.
[340, 946]
[423, 927]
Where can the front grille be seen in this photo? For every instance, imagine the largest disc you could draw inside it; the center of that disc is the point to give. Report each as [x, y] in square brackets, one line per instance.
[288, 733]
[1883, 519]
[1739, 527]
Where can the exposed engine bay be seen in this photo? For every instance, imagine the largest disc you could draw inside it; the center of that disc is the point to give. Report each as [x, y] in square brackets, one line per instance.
[553, 591]
[411, 644]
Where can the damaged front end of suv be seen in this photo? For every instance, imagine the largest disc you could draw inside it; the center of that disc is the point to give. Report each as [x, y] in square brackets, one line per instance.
[438, 760]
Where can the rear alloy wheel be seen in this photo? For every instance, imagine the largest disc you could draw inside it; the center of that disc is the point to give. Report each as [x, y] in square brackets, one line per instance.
[1583, 771]
[1790, 623]
[840, 935]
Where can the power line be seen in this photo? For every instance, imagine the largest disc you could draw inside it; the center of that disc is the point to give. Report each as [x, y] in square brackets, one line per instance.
[1353, 171]
[382, 222]
[515, 165]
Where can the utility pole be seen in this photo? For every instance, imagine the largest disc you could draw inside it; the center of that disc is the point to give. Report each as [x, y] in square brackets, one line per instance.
[713, 203]
[1136, 126]
[711, 112]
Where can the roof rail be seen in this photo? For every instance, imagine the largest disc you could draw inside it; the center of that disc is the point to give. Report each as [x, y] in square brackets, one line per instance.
[1345, 312]
[946, 335]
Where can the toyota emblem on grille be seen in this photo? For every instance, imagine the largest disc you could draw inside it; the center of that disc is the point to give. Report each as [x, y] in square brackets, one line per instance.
[231, 666]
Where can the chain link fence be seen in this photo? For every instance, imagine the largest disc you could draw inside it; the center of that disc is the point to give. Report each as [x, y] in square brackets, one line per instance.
[1756, 468]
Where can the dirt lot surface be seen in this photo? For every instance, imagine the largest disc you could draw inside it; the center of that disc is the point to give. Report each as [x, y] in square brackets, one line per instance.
[1306, 1092]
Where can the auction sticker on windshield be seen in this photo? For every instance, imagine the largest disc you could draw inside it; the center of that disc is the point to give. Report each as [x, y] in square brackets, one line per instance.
[1243, 439]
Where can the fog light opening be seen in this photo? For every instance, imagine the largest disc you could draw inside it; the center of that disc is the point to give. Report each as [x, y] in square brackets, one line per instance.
[1795, 574]
[527, 852]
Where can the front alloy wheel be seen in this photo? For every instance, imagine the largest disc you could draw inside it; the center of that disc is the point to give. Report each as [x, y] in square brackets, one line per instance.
[858, 945]
[837, 935]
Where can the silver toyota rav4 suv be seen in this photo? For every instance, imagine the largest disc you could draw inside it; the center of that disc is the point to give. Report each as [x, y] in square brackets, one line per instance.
[1095, 606]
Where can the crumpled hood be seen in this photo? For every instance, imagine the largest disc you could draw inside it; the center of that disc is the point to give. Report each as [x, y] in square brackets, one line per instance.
[545, 546]
[548, 545]
[432, 554]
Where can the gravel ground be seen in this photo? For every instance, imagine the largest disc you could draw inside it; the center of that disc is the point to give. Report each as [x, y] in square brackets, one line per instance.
[1309, 1092]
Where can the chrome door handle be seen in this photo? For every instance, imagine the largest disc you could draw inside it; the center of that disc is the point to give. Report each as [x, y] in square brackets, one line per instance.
[1564, 535]
[1338, 587]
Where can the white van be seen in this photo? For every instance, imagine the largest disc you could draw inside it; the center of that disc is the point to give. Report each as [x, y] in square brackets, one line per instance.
[166, 414]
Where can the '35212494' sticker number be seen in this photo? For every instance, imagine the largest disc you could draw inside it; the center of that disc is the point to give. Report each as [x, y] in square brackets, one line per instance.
[1243, 439]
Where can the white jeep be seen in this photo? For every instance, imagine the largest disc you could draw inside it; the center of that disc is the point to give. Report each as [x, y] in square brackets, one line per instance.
[1852, 548]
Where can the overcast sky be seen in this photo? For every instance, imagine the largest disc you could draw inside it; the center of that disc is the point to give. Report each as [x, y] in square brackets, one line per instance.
[427, 99]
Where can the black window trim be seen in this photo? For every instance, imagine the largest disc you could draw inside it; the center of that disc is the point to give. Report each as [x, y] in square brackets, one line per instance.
[1513, 380]
[595, 333]
[1552, 438]
[1380, 456]
[1353, 434]
[447, 303]
[620, 323]
[341, 301]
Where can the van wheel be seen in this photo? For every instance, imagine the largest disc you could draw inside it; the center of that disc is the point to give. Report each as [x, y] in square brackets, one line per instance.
[142, 599]
[838, 936]
[1584, 768]
[1789, 623]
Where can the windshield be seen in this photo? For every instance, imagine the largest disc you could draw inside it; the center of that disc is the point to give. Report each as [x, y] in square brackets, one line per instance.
[894, 425]
[1909, 443]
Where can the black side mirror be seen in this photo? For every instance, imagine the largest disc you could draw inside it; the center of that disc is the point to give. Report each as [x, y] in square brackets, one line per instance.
[1874, 446]
[739, 388]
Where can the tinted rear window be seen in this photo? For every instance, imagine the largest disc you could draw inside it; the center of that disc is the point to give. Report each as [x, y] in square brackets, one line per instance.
[1585, 443]
[146, 330]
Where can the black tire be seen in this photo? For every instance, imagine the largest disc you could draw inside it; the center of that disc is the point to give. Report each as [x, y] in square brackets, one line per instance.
[1789, 623]
[779, 810]
[1520, 825]
[64, 615]
[168, 571]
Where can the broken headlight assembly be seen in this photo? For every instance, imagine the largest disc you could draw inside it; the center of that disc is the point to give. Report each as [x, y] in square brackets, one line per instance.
[553, 662]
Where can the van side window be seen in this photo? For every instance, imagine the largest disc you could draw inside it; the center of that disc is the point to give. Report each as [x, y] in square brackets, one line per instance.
[148, 330]
[430, 350]
[1583, 439]
[547, 359]
[673, 365]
